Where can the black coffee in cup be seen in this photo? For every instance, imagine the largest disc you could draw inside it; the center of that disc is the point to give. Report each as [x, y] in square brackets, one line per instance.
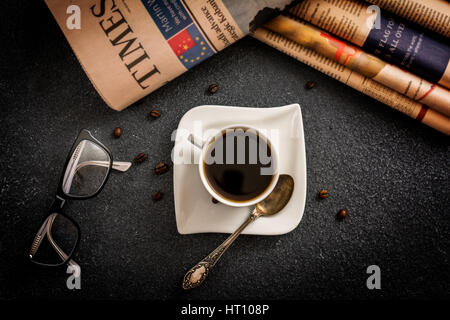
[238, 164]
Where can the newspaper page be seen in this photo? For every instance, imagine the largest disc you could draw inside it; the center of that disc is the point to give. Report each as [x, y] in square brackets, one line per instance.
[129, 48]
[381, 34]
[355, 80]
[431, 14]
[366, 64]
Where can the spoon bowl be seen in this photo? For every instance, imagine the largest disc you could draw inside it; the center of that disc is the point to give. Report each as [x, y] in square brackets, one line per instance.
[278, 198]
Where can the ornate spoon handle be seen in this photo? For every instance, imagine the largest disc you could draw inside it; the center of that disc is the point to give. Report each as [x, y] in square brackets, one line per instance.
[198, 273]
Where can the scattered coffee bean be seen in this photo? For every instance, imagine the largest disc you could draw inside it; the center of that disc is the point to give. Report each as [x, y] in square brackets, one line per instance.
[155, 114]
[141, 157]
[161, 168]
[323, 194]
[310, 85]
[342, 214]
[213, 88]
[214, 200]
[156, 196]
[117, 132]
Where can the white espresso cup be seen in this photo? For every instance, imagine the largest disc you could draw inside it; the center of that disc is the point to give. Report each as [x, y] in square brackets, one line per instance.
[203, 159]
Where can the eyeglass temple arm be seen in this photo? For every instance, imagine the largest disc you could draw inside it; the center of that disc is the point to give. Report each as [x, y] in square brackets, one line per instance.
[58, 250]
[116, 165]
[38, 238]
[72, 264]
[121, 165]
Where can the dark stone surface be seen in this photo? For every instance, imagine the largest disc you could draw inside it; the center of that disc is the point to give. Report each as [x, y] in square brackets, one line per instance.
[390, 172]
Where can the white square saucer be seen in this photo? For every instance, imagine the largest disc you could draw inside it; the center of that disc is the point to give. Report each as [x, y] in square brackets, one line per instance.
[194, 210]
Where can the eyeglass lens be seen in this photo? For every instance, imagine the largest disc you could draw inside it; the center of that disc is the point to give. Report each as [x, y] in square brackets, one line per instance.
[55, 241]
[87, 170]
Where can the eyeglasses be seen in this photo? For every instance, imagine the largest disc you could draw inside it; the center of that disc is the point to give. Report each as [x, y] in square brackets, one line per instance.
[85, 173]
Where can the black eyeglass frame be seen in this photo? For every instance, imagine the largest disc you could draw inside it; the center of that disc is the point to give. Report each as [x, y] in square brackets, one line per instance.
[61, 197]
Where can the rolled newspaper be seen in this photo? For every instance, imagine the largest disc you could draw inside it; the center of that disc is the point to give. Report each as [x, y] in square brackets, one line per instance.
[355, 80]
[366, 64]
[382, 34]
[431, 14]
[130, 48]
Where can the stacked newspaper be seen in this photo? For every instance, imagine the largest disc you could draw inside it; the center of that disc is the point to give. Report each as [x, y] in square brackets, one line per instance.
[386, 57]
[129, 48]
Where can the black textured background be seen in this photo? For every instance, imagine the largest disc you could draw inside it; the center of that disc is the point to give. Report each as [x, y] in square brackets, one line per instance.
[390, 172]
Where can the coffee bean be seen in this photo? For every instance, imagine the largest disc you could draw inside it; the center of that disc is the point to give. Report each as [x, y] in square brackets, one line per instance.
[310, 85]
[214, 200]
[155, 114]
[213, 88]
[141, 157]
[161, 168]
[156, 196]
[342, 214]
[323, 194]
[117, 132]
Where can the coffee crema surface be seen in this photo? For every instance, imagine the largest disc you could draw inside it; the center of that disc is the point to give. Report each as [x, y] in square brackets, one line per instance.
[239, 165]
